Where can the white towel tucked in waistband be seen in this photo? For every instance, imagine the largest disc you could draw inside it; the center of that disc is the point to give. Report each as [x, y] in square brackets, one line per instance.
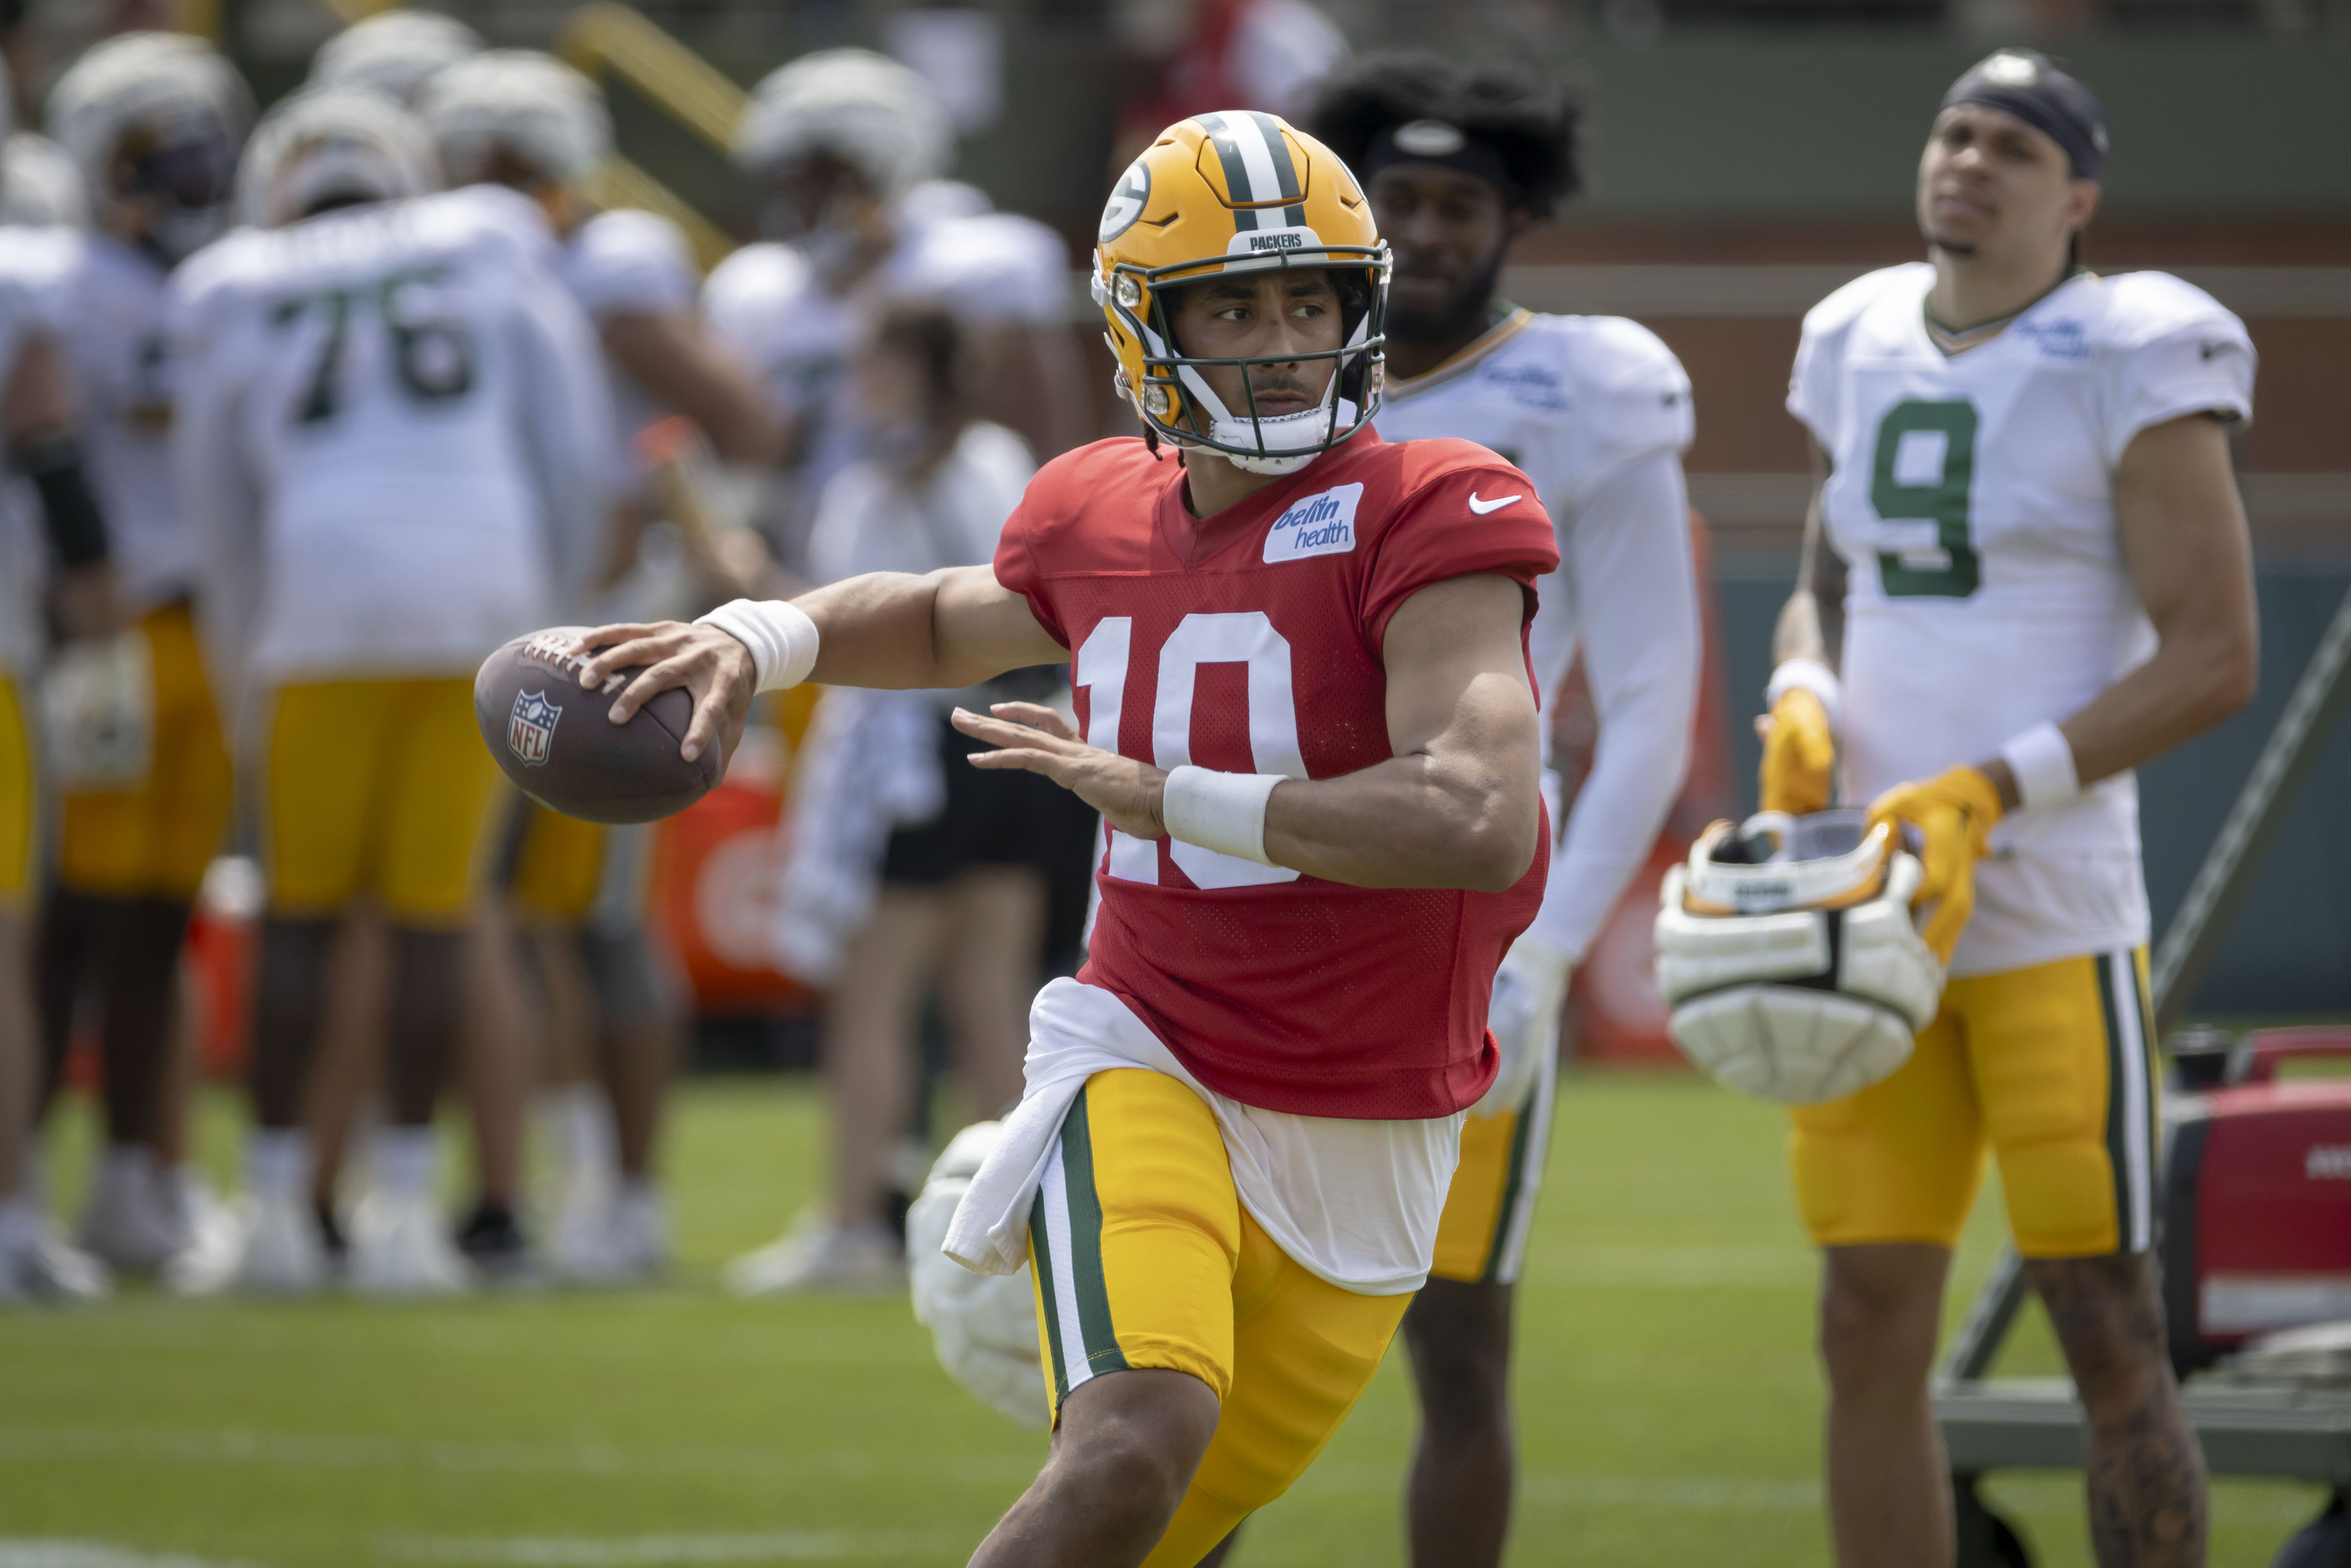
[1355, 1203]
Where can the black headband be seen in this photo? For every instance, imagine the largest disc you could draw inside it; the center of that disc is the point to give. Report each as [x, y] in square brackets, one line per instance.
[1441, 142]
[2023, 83]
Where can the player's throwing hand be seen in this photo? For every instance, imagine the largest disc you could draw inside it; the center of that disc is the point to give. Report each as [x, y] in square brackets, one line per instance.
[712, 665]
[1039, 740]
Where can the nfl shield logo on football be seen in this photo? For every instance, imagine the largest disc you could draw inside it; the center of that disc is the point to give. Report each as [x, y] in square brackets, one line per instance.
[530, 729]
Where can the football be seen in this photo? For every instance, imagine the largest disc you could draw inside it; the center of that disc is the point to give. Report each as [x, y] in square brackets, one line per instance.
[552, 737]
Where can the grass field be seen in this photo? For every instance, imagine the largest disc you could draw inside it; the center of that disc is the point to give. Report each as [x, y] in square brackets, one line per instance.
[1667, 1398]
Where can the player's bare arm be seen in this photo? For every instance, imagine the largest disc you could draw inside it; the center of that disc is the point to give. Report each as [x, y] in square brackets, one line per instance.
[2186, 546]
[664, 354]
[887, 630]
[1456, 807]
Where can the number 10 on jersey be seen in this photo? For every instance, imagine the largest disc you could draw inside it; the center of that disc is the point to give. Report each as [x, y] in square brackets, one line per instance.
[1241, 637]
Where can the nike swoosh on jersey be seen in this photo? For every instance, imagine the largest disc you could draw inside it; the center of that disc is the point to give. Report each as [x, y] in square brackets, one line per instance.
[1482, 507]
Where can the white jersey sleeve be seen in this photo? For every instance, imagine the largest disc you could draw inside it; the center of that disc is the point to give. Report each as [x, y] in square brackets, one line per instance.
[1815, 394]
[216, 339]
[34, 266]
[1633, 587]
[567, 408]
[2178, 351]
[629, 262]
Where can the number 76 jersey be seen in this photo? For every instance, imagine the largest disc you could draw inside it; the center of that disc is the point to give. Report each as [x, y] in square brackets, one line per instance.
[1971, 498]
[1252, 642]
[393, 435]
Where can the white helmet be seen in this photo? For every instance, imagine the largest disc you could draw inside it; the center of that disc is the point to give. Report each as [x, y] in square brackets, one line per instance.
[1787, 951]
[983, 1326]
[152, 121]
[875, 115]
[394, 52]
[529, 106]
[332, 146]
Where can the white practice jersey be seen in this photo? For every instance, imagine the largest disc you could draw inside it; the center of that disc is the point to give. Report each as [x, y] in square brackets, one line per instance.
[37, 264]
[1596, 411]
[624, 263]
[393, 438]
[768, 305]
[121, 351]
[1971, 498]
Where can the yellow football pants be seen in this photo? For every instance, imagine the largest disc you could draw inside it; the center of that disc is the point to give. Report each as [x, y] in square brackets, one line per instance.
[19, 798]
[382, 785]
[1142, 1257]
[2053, 1067]
[156, 841]
[558, 865]
[1490, 1205]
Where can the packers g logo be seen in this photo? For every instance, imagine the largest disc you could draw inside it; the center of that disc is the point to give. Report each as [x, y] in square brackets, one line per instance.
[530, 728]
[1125, 204]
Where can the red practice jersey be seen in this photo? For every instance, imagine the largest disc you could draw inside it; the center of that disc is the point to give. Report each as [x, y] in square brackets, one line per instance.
[1250, 643]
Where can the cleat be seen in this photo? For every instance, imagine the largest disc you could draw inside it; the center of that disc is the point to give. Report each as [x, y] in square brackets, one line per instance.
[129, 1223]
[400, 1247]
[282, 1256]
[495, 1246]
[213, 1238]
[47, 1268]
[818, 1257]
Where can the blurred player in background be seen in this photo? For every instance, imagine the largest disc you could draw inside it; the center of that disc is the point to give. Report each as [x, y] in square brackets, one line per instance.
[395, 52]
[965, 862]
[527, 122]
[66, 552]
[2037, 578]
[396, 453]
[837, 140]
[1596, 411]
[153, 122]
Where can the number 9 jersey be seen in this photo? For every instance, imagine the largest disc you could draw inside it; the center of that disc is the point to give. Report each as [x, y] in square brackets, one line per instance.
[394, 437]
[1971, 498]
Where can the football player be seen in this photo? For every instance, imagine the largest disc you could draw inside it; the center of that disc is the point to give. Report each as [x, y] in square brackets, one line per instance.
[2027, 573]
[41, 424]
[1311, 726]
[837, 141]
[394, 452]
[395, 52]
[153, 122]
[1596, 411]
[526, 121]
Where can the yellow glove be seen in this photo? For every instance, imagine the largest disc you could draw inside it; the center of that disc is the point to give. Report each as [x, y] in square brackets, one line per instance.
[1955, 812]
[1798, 755]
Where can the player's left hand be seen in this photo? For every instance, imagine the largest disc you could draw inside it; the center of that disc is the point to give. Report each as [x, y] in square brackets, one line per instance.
[1530, 988]
[1037, 739]
[711, 664]
[1955, 812]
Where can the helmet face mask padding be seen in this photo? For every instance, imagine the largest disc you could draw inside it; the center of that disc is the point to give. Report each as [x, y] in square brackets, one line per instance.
[1239, 192]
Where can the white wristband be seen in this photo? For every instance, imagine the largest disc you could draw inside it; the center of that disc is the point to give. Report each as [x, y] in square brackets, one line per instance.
[1220, 811]
[781, 638]
[1808, 675]
[2044, 764]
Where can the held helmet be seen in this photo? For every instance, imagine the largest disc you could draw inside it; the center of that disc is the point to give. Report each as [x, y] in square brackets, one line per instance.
[1230, 192]
[1787, 950]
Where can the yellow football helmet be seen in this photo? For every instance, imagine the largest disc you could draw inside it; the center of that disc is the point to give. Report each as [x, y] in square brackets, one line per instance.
[1237, 191]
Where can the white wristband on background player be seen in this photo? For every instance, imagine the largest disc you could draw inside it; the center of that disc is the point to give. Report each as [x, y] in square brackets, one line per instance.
[1807, 676]
[1220, 811]
[781, 638]
[2043, 762]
